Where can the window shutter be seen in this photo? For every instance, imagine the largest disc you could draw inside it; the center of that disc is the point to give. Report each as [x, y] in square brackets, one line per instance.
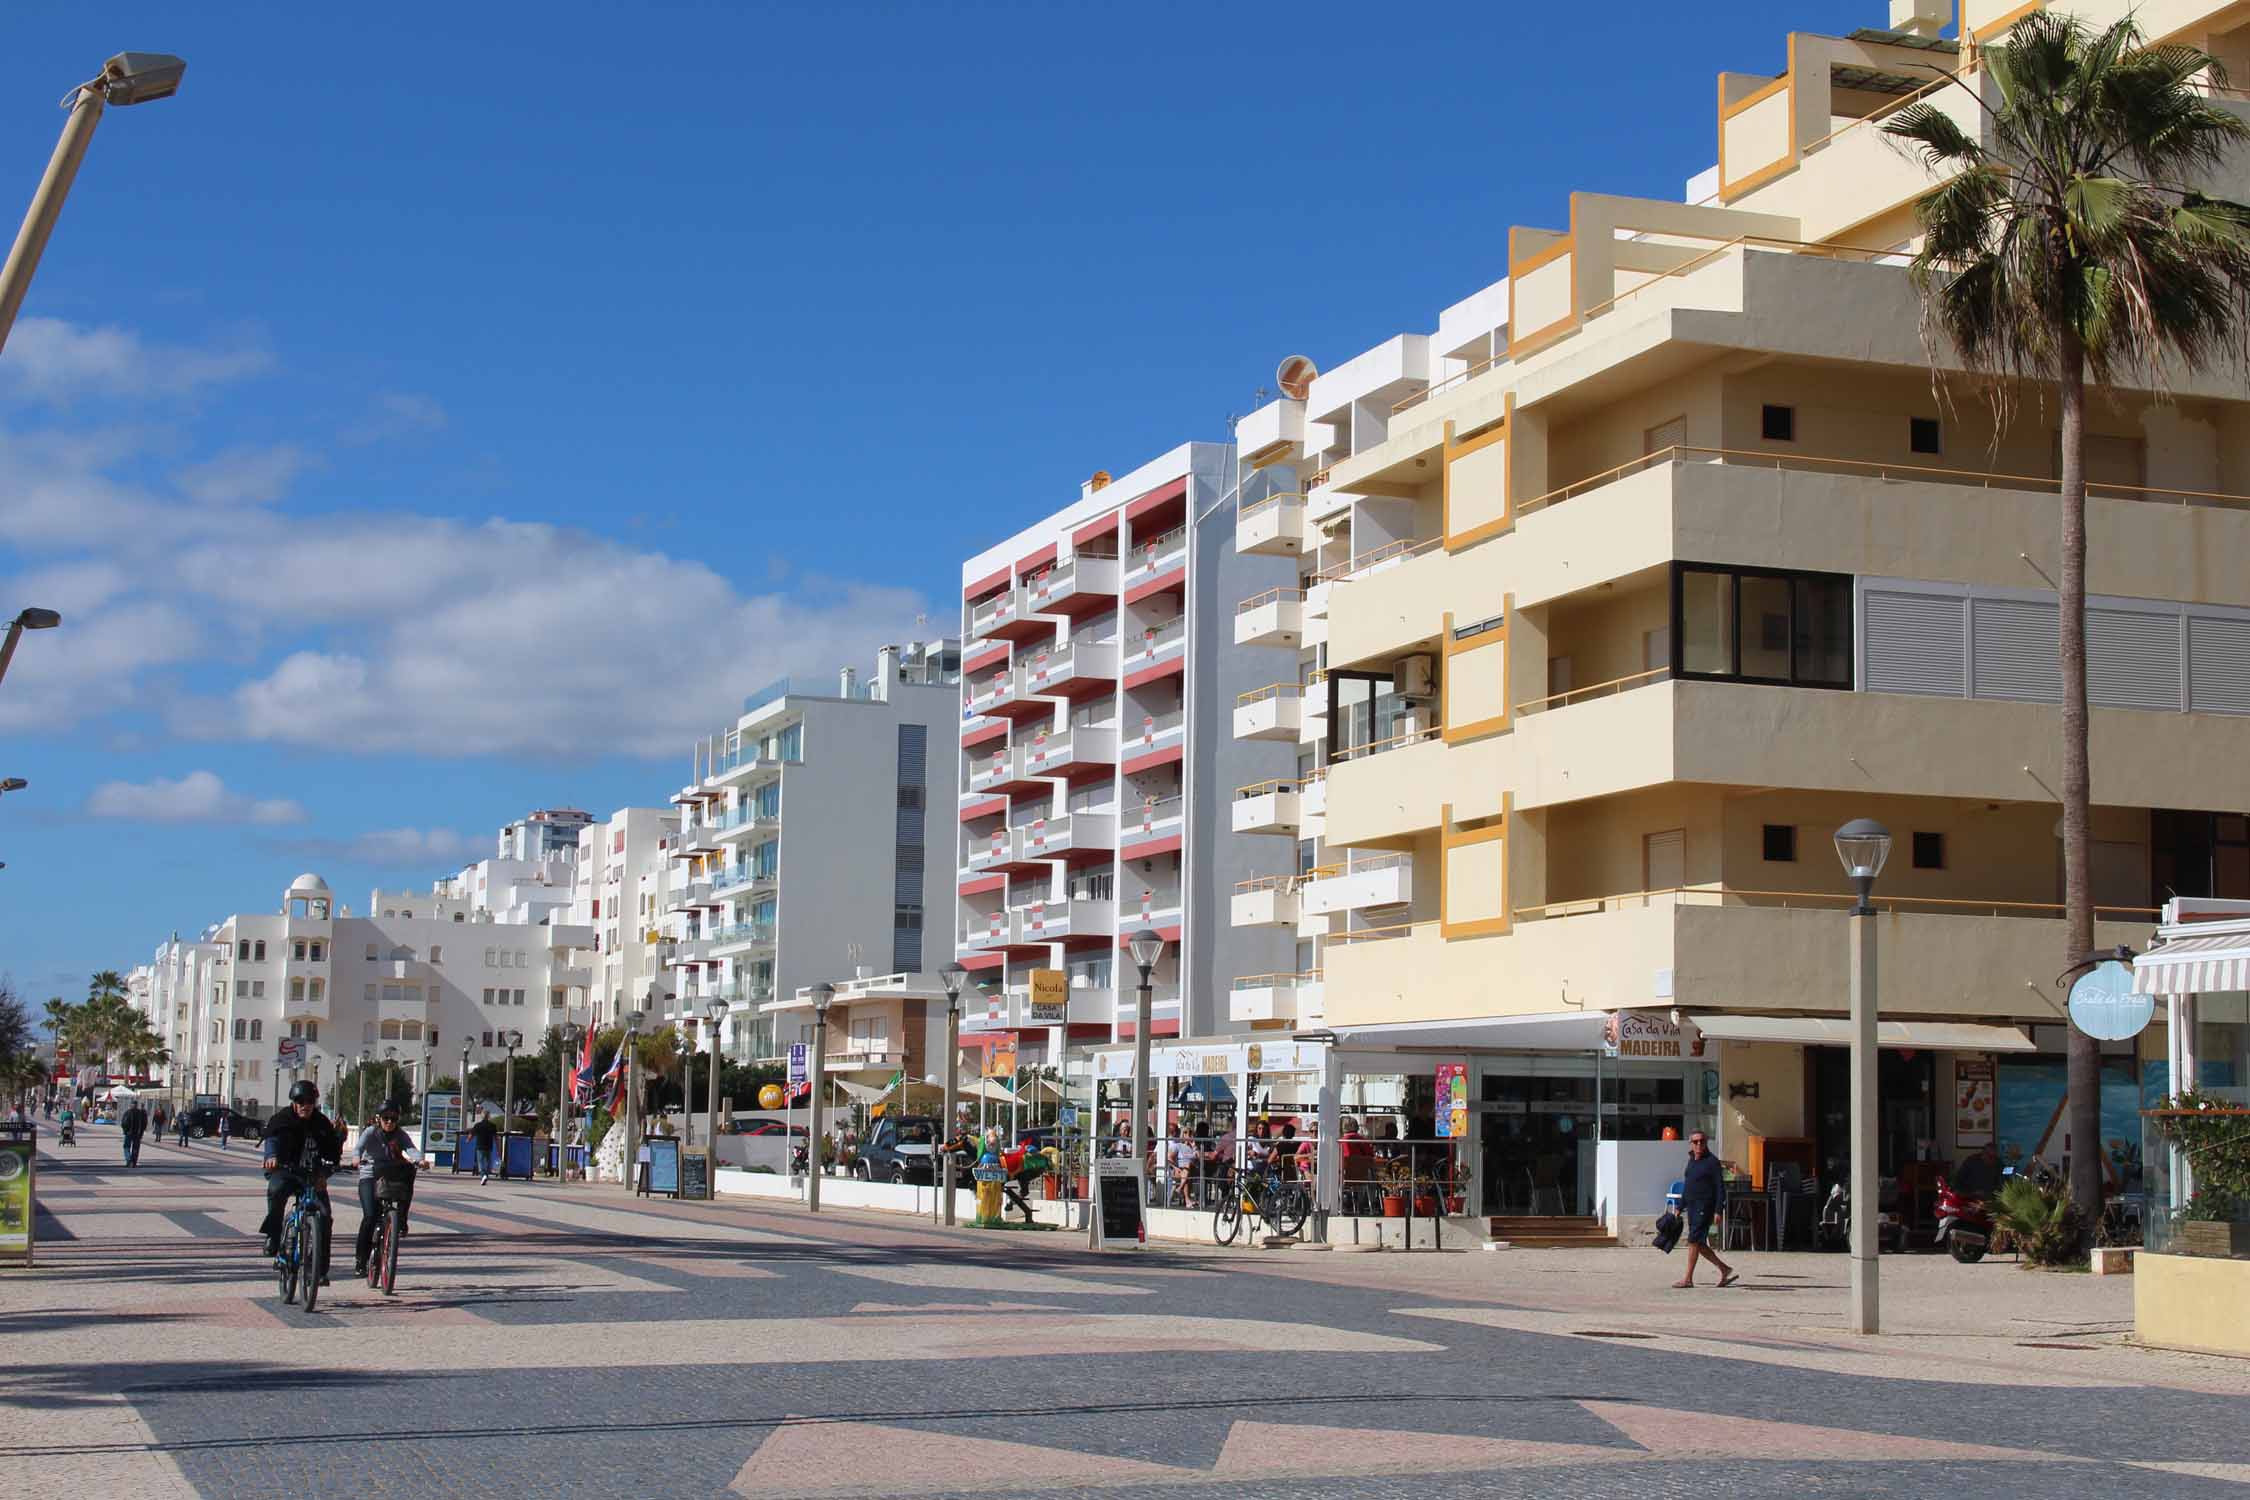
[1915, 644]
[2132, 659]
[2218, 665]
[2015, 650]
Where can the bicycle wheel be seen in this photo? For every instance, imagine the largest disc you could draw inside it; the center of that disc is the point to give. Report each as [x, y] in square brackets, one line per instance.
[286, 1262]
[375, 1251]
[309, 1231]
[1292, 1205]
[1226, 1220]
[390, 1253]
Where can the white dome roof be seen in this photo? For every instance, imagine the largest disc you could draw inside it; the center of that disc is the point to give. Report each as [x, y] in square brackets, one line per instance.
[308, 884]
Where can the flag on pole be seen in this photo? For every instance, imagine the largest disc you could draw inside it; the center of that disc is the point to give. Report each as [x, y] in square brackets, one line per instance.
[582, 1076]
[616, 1074]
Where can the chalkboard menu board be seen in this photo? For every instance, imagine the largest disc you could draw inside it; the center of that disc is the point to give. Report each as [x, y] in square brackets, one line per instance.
[695, 1174]
[1118, 1193]
[661, 1172]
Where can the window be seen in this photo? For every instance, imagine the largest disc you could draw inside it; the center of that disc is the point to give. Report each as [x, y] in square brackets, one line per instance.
[1778, 424]
[312, 1031]
[492, 958]
[298, 952]
[458, 917]
[242, 950]
[406, 913]
[1923, 435]
[257, 989]
[1761, 625]
[1929, 851]
[297, 991]
[367, 994]
[1781, 843]
[488, 995]
[257, 1031]
[242, 989]
[371, 952]
[260, 951]
[241, 1029]
[519, 997]
[367, 1032]
[319, 990]
[486, 1041]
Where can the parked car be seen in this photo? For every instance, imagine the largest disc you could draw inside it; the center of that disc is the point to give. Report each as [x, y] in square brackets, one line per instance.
[898, 1150]
[203, 1120]
[770, 1127]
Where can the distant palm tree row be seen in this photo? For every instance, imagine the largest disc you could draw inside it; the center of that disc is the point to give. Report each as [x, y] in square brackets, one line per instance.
[105, 1028]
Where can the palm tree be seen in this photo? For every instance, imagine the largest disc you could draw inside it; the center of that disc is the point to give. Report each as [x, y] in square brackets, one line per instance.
[2068, 243]
[105, 984]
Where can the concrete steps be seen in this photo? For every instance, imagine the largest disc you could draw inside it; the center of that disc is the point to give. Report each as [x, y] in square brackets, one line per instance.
[1553, 1232]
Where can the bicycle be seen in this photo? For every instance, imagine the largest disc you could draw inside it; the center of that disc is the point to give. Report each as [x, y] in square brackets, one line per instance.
[1283, 1205]
[304, 1233]
[394, 1191]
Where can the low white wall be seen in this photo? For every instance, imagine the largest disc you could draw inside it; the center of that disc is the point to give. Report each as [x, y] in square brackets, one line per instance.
[1630, 1181]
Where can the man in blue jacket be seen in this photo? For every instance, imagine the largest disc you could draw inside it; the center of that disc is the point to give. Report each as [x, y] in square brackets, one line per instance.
[1703, 1196]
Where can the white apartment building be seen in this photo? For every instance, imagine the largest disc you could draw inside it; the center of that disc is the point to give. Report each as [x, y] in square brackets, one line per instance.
[804, 846]
[624, 880]
[1099, 674]
[180, 980]
[532, 874]
[419, 979]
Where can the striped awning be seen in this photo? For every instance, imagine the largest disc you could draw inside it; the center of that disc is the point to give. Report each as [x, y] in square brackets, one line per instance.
[2197, 964]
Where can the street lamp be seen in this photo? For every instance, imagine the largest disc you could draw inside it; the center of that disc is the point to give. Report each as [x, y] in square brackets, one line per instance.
[513, 1039]
[13, 784]
[954, 976]
[714, 1010]
[823, 996]
[127, 78]
[630, 1163]
[1863, 845]
[30, 619]
[1146, 946]
[566, 1094]
[390, 1074]
[365, 1058]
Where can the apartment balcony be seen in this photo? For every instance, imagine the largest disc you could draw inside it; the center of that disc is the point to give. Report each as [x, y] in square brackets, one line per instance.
[577, 976]
[992, 770]
[1074, 669]
[1006, 616]
[688, 895]
[701, 838]
[855, 1059]
[1312, 718]
[1714, 948]
[1155, 821]
[1157, 646]
[985, 931]
[1273, 712]
[987, 853]
[1075, 838]
[1055, 921]
[1152, 733]
[1267, 901]
[1269, 807]
[741, 938]
[985, 697]
[733, 884]
[1080, 749]
[1164, 1004]
[1155, 560]
[1272, 527]
[1379, 881]
[1273, 618]
[745, 821]
[1277, 998]
[1148, 906]
[1083, 584]
[681, 951]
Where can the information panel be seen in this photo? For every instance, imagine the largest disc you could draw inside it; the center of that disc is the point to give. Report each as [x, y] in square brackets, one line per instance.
[1119, 1200]
[16, 1158]
[662, 1170]
[441, 1121]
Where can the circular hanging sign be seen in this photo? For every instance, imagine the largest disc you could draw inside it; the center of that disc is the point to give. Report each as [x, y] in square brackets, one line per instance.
[2103, 1005]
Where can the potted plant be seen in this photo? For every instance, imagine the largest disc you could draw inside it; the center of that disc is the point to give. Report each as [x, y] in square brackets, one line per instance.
[1425, 1197]
[1398, 1180]
[1457, 1190]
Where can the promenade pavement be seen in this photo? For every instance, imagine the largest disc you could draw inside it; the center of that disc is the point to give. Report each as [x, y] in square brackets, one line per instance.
[552, 1341]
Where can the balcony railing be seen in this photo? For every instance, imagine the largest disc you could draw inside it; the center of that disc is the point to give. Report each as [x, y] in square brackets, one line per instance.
[1398, 741]
[1157, 554]
[735, 881]
[1156, 643]
[1593, 690]
[1087, 573]
[1154, 732]
[1389, 555]
[1155, 818]
[1728, 895]
[1275, 525]
[998, 610]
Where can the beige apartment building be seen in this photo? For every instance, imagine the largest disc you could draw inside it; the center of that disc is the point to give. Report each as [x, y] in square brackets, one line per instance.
[1664, 557]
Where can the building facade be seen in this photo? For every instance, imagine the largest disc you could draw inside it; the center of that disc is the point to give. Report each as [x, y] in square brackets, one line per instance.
[1661, 559]
[622, 891]
[1097, 757]
[804, 851]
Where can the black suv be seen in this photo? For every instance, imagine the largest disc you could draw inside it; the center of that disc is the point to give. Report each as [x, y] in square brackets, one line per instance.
[203, 1120]
[899, 1150]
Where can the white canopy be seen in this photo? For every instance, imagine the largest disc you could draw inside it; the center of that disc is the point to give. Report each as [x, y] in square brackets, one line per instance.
[1836, 1031]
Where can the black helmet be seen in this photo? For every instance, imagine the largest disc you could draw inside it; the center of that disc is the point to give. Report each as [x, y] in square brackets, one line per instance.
[304, 1091]
[389, 1108]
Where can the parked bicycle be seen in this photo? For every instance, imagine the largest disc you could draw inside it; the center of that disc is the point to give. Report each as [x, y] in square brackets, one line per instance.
[304, 1234]
[1284, 1206]
[394, 1194]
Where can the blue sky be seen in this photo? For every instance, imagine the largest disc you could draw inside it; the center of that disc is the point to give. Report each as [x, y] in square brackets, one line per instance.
[438, 412]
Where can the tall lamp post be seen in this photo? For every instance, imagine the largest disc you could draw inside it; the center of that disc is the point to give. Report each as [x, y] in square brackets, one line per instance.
[1146, 946]
[566, 1094]
[514, 1039]
[1863, 845]
[954, 976]
[631, 1163]
[823, 996]
[365, 1060]
[29, 619]
[390, 1074]
[714, 1011]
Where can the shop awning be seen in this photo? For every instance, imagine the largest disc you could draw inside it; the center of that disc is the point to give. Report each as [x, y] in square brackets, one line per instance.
[2195, 964]
[1836, 1031]
[1558, 1031]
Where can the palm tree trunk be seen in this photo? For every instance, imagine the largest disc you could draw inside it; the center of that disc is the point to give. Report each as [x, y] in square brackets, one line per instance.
[2077, 788]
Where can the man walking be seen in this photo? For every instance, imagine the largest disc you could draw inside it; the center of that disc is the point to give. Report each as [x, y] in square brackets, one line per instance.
[1703, 1192]
[226, 1127]
[483, 1133]
[134, 1123]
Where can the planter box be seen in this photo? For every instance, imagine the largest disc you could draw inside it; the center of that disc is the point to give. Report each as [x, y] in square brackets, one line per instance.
[2114, 1260]
[2203, 1237]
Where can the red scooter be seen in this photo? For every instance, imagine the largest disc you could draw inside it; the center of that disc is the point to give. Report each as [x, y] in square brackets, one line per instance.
[1964, 1225]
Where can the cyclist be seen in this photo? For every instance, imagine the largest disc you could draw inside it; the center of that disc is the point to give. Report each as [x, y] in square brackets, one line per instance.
[298, 1127]
[380, 1145]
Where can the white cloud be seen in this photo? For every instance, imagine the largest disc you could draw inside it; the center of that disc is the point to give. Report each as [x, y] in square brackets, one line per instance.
[396, 848]
[198, 797]
[394, 414]
[248, 475]
[51, 360]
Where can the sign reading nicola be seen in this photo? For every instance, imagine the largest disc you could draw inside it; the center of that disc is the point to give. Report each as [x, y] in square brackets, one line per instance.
[2103, 1005]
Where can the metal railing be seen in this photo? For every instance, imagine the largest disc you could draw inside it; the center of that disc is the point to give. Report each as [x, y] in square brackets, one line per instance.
[1389, 552]
[1268, 787]
[1155, 554]
[1270, 690]
[1727, 895]
[1595, 690]
[1391, 742]
[1244, 511]
[1270, 596]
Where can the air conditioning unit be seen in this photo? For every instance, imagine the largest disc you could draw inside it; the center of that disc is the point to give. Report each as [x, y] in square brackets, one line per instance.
[1414, 676]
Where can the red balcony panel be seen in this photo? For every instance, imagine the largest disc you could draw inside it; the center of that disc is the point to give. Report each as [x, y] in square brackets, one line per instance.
[984, 885]
[1169, 755]
[985, 809]
[1037, 560]
[1163, 669]
[970, 738]
[1166, 504]
[990, 583]
[1130, 850]
[981, 961]
[1165, 583]
[1024, 627]
[978, 661]
[1157, 1026]
[1095, 530]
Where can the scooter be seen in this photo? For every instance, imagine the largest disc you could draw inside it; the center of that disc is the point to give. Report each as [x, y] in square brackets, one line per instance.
[1964, 1225]
[1833, 1230]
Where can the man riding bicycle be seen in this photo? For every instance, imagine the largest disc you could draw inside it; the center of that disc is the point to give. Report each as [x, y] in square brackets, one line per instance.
[382, 1145]
[289, 1135]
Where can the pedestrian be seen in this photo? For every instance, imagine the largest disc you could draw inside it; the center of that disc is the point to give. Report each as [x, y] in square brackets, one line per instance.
[1703, 1197]
[226, 1126]
[134, 1124]
[180, 1123]
[482, 1135]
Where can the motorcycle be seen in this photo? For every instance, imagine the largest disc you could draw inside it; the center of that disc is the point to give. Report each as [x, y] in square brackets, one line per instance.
[1964, 1225]
[1833, 1230]
[800, 1159]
